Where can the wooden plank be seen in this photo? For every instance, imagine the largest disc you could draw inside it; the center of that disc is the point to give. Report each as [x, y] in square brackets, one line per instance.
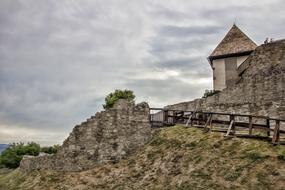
[222, 130]
[190, 119]
[264, 128]
[232, 118]
[219, 113]
[230, 128]
[250, 125]
[275, 138]
[240, 124]
[208, 121]
[211, 122]
[206, 124]
[253, 137]
[167, 119]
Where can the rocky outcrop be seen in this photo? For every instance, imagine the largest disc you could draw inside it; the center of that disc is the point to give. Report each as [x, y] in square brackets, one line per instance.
[106, 137]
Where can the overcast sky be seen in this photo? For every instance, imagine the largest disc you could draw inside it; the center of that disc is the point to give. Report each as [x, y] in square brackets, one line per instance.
[58, 59]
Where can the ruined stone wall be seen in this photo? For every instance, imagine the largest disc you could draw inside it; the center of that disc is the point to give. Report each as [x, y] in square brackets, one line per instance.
[260, 90]
[106, 137]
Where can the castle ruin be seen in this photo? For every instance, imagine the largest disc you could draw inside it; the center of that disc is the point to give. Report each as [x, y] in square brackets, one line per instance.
[251, 79]
[108, 136]
[255, 86]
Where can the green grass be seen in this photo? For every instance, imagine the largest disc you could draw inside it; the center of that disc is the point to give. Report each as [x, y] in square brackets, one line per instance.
[281, 153]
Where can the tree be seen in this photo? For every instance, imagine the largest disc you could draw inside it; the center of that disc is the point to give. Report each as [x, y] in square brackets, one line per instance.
[12, 156]
[113, 97]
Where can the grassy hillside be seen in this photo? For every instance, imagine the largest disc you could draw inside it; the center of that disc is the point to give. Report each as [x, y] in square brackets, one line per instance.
[176, 158]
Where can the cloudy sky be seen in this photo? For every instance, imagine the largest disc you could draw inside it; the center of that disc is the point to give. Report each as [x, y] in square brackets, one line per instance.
[58, 59]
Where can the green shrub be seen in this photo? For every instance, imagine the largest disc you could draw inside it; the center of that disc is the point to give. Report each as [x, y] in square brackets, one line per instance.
[12, 156]
[210, 93]
[10, 159]
[113, 97]
[50, 149]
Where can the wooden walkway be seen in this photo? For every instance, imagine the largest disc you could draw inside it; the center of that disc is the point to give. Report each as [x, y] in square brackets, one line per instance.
[233, 125]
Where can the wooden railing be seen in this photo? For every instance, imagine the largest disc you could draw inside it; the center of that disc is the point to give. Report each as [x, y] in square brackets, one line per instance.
[230, 123]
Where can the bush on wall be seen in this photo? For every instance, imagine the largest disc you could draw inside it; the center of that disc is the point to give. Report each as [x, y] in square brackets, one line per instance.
[210, 93]
[113, 97]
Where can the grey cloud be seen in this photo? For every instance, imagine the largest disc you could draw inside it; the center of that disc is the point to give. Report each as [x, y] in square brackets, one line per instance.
[167, 90]
[160, 44]
[186, 31]
[180, 63]
[58, 59]
[167, 13]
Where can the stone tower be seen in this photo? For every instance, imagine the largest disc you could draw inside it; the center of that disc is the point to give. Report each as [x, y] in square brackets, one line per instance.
[230, 53]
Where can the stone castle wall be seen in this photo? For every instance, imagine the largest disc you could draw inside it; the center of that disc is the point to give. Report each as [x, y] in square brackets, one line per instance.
[112, 134]
[106, 137]
[259, 91]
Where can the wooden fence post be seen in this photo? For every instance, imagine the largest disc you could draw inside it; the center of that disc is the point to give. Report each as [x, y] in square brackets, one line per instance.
[231, 127]
[268, 126]
[174, 118]
[165, 116]
[209, 120]
[150, 118]
[275, 138]
[189, 120]
[197, 118]
[193, 116]
[234, 127]
[250, 125]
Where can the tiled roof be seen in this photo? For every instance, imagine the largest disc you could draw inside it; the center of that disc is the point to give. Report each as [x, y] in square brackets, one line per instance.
[234, 42]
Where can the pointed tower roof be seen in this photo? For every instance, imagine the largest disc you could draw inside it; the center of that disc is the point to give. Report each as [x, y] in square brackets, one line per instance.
[235, 42]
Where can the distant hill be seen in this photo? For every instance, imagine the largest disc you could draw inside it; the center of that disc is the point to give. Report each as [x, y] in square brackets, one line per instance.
[3, 147]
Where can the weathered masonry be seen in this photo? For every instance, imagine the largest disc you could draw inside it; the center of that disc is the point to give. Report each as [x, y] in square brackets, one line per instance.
[259, 90]
[231, 52]
[106, 137]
